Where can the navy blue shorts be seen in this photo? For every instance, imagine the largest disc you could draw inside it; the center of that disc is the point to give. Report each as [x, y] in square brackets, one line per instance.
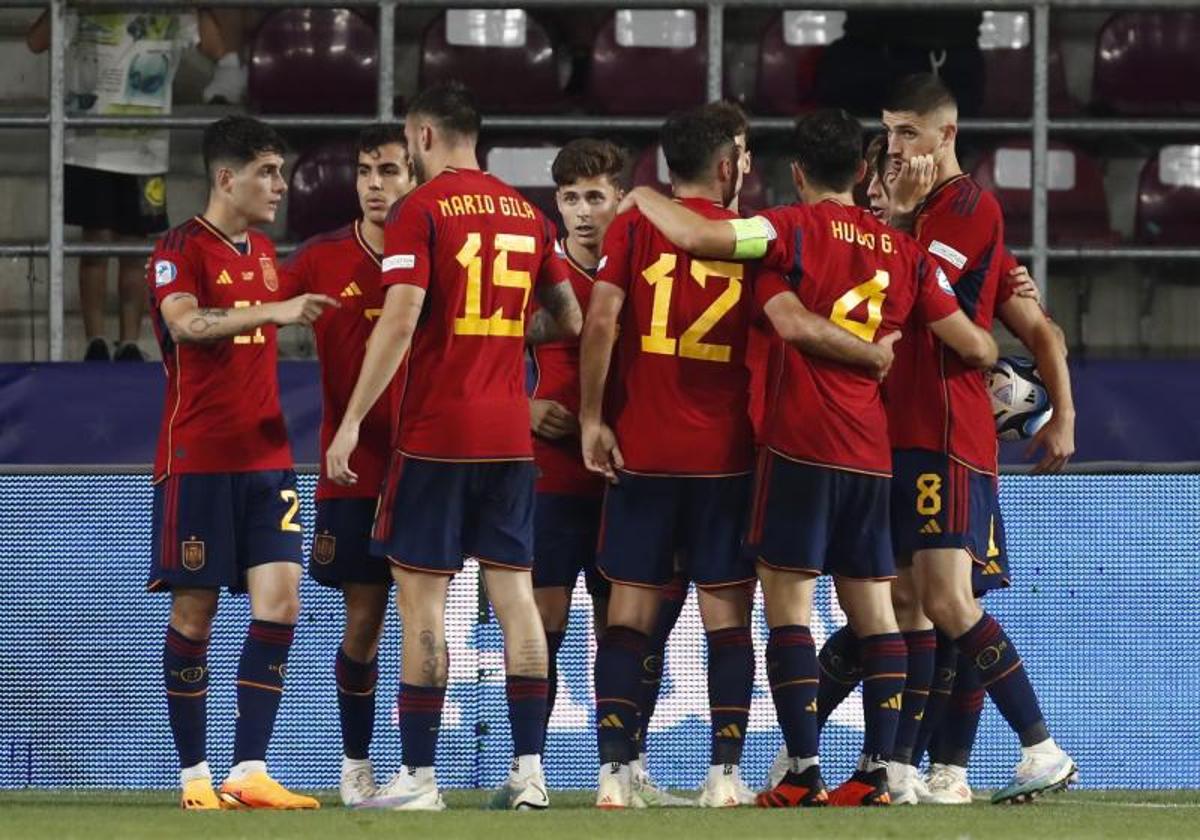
[820, 520]
[433, 514]
[938, 502]
[341, 550]
[649, 519]
[209, 528]
[565, 532]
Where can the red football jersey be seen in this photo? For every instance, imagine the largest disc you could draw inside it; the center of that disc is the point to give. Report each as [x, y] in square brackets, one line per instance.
[342, 265]
[560, 462]
[935, 401]
[222, 409]
[844, 265]
[477, 248]
[680, 384]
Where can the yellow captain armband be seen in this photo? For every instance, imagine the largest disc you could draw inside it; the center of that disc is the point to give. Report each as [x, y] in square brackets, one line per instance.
[753, 237]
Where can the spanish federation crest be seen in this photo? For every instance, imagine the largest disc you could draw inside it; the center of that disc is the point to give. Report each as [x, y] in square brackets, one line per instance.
[324, 547]
[270, 278]
[193, 555]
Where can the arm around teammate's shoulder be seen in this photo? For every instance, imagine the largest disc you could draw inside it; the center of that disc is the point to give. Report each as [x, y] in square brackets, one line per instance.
[686, 229]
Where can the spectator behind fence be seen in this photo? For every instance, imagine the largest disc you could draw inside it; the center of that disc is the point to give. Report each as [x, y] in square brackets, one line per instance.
[120, 63]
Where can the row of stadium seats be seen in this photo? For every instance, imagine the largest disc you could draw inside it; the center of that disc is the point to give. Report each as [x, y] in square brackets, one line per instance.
[1168, 195]
[324, 60]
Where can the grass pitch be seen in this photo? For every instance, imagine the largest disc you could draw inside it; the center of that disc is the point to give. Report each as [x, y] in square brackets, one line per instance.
[95, 814]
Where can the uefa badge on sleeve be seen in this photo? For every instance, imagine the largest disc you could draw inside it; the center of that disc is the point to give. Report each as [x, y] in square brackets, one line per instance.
[270, 278]
[193, 555]
[324, 548]
[164, 273]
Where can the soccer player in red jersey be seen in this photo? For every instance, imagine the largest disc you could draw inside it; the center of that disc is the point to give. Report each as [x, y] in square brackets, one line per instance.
[588, 174]
[822, 484]
[226, 512]
[680, 447]
[946, 508]
[345, 264]
[462, 254]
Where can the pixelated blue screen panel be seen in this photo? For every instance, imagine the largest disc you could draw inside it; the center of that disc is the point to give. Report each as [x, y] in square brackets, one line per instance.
[1102, 609]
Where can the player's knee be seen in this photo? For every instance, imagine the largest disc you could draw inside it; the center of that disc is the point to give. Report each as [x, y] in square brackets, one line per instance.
[554, 610]
[284, 608]
[950, 611]
[361, 637]
[192, 615]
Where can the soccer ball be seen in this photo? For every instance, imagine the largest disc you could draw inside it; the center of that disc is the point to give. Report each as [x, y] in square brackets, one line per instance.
[1020, 403]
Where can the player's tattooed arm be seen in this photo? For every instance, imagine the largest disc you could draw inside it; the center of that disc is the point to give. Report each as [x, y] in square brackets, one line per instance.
[686, 229]
[567, 318]
[189, 322]
[542, 329]
[816, 336]
[1025, 319]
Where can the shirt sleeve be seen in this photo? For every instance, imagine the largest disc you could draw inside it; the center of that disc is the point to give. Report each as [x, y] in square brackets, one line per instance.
[783, 249]
[766, 285]
[554, 268]
[172, 272]
[1004, 290]
[935, 296]
[614, 258]
[408, 246]
[958, 242]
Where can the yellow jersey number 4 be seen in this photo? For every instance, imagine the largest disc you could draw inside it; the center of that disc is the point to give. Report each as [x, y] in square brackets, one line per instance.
[874, 292]
[690, 344]
[473, 321]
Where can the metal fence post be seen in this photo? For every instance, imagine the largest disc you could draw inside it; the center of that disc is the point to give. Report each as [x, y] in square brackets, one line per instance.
[716, 41]
[58, 63]
[387, 59]
[1041, 156]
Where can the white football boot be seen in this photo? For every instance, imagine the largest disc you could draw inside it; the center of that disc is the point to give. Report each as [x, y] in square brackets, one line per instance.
[901, 777]
[615, 788]
[947, 785]
[412, 789]
[358, 781]
[1044, 768]
[724, 788]
[651, 794]
[779, 768]
[525, 788]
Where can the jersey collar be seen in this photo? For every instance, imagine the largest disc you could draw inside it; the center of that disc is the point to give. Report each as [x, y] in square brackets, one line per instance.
[217, 232]
[365, 245]
[589, 273]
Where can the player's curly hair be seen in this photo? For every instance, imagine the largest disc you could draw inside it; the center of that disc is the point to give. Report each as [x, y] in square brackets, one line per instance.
[877, 156]
[238, 140]
[452, 106]
[691, 140]
[828, 147]
[587, 157]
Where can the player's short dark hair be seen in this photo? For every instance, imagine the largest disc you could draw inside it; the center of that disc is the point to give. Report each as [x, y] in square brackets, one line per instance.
[828, 147]
[920, 93]
[690, 140]
[587, 157]
[378, 135]
[238, 139]
[451, 105]
[730, 115]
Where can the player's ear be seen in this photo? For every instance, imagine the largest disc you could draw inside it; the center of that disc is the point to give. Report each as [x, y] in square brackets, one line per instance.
[862, 172]
[949, 134]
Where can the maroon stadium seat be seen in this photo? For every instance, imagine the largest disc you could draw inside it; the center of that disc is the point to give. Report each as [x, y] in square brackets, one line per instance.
[526, 168]
[503, 55]
[314, 61]
[1147, 63]
[651, 171]
[1168, 202]
[1078, 211]
[649, 61]
[322, 195]
[1008, 68]
[788, 57]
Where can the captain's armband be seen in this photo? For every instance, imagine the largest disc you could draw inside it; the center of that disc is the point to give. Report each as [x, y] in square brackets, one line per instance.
[753, 237]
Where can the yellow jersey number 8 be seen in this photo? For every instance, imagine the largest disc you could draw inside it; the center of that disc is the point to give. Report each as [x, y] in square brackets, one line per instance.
[473, 321]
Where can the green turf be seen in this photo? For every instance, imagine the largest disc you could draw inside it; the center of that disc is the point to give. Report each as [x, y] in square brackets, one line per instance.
[102, 814]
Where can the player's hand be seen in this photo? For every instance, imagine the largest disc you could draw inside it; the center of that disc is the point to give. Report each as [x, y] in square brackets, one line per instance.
[1022, 285]
[551, 420]
[887, 355]
[600, 451]
[630, 200]
[302, 309]
[913, 182]
[1056, 439]
[337, 457]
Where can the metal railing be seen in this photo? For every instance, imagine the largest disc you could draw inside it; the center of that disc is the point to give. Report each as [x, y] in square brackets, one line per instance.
[1040, 125]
